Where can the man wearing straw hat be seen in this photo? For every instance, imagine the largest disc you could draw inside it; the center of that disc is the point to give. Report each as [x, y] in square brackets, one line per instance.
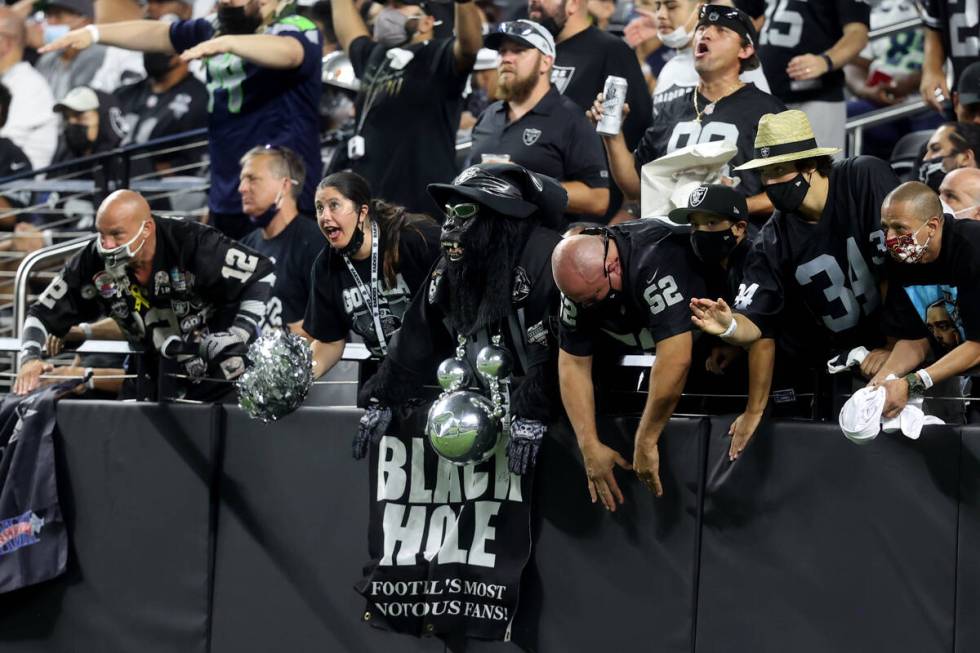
[818, 261]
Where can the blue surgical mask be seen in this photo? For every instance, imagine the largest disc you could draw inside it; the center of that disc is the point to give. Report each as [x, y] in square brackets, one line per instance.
[54, 32]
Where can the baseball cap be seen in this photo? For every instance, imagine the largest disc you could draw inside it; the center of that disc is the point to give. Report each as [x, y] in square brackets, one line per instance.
[968, 86]
[81, 7]
[717, 199]
[525, 32]
[736, 20]
[80, 98]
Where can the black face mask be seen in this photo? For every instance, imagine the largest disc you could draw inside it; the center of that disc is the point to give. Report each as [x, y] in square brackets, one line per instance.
[355, 242]
[76, 138]
[788, 195]
[932, 172]
[263, 219]
[157, 64]
[713, 246]
[234, 20]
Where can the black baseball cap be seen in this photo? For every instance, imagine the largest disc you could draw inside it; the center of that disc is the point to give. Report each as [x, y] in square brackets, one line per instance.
[717, 199]
[968, 86]
[736, 20]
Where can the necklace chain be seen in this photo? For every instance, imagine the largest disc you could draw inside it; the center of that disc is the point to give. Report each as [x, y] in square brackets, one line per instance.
[737, 85]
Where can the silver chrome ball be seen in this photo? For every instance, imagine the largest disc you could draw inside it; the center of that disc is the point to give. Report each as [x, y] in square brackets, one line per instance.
[452, 374]
[461, 427]
[494, 362]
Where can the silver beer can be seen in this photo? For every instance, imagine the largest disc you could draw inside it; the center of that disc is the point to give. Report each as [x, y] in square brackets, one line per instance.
[613, 99]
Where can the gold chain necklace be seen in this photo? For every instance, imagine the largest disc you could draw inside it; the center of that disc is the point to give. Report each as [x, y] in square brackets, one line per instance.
[711, 107]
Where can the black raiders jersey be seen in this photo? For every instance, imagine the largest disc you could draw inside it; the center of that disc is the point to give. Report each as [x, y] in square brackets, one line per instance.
[336, 305]
[202, 281]
[958, 23]
[795, 27]
[733, 118]
[293, 251]
[150, 115]
[661, 276]
[815, 285]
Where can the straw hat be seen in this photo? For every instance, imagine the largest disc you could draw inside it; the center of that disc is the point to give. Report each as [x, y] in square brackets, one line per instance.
[783, 137]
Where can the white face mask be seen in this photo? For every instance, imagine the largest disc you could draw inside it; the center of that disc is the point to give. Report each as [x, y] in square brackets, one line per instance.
[969, 213]
[677, 39]
[121, 254]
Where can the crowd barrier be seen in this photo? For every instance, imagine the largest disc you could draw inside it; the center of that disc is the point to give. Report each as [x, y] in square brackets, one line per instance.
[195, 529]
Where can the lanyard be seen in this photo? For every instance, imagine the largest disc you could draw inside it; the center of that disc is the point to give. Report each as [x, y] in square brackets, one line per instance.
[371, 299]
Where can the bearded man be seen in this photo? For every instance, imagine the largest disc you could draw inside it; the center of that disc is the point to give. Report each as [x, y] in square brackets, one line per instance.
[492, 283]
[535, 126]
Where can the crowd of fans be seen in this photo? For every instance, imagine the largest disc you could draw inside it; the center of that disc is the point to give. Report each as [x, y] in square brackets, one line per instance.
[794, 274]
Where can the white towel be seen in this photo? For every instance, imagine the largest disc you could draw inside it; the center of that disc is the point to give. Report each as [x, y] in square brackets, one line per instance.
[911, 420]
[860, 418]
[854, 357]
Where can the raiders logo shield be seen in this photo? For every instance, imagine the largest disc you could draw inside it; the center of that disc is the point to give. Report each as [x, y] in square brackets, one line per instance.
[697, 196]
[521, 287]
[531, 136]
[561, 77]
[764, 152]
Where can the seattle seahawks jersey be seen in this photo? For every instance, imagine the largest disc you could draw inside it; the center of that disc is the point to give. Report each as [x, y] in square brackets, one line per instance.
[814, 285]
[336, 305]
[250, 105]
[202, 282]
[733, 118]
[293, 251]
[660, 276]
[958, 23]
[795, 27]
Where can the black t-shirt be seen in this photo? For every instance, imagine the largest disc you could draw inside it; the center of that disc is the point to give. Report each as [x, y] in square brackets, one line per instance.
[293, 252]
[554, 138]
[795, 27]
[661, 275]
[960, 31]
[948, 289]
[582, 64]
[815, 285]
[427, 337]
[13, 161]
[150, 115]
[409, 128]
[734, 118]
[336, 306]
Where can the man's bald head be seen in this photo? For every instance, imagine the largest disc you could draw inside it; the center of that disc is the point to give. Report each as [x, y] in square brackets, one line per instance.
[913, 200]
[12, 27]
[579, 267]
[122, 217]
[961, 191]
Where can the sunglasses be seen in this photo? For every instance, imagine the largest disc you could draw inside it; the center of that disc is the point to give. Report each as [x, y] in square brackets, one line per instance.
[604, 233]
[714, 13]
[462, 211]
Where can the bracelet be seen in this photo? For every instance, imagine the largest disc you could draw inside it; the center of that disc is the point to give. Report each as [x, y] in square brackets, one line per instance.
[730, 331]
[926, 378]
[830, 62]
[89, 376]
[94, 31]
[86, 329]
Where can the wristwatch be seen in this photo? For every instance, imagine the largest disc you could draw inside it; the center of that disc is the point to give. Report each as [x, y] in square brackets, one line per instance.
[916, 387]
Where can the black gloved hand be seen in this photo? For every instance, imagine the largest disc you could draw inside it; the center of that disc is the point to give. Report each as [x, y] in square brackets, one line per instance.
[220, 342]
[374, 424]
[525, 441]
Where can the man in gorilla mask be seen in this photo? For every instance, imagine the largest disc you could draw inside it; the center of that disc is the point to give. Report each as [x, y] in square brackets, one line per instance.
[493, 279]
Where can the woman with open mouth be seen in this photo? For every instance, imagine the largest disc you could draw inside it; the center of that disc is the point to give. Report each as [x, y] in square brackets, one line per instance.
[376, 257]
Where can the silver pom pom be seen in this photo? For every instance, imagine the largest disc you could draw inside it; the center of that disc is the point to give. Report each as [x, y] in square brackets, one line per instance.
[279, 378]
